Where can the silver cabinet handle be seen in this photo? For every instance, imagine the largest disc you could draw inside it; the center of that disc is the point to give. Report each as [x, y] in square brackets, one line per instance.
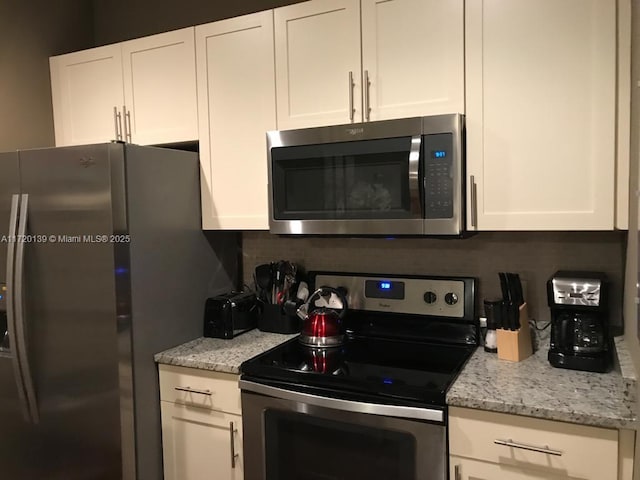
[194, 390]
[367, 107]
[234, 455]
[456, 471]
[352, 110]
[474, 202]
[522, 446]
[22, 351]
[117, 118]
[127, 124]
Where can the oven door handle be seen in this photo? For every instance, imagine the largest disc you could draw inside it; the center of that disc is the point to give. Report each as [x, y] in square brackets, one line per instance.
[398, 411]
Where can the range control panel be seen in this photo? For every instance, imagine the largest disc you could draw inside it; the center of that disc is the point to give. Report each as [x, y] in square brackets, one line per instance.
[434, 296]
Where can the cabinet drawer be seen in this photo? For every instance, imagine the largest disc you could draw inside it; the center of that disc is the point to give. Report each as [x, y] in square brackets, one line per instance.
[581, 451]
[200, 388]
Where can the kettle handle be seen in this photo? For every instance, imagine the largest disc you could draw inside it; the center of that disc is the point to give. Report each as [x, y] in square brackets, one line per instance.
[329, 290]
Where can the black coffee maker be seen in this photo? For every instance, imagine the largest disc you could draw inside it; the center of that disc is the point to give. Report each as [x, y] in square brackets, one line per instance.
[579, 321]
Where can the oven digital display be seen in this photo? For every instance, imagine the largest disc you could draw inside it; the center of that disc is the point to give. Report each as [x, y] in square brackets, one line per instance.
[387, 289]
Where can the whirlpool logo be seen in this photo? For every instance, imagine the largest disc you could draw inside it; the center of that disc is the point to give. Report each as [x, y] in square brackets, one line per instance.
[384, 305]
[355, 131]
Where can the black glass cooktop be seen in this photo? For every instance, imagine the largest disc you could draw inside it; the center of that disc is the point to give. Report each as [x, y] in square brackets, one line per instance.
[392, 371]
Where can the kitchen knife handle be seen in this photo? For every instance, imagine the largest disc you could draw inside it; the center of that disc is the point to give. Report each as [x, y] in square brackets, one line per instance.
[474, 202]
[352, 110]
[367, 106]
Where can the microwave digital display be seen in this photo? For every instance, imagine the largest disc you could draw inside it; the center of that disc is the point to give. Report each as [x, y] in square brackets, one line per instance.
[438, 154]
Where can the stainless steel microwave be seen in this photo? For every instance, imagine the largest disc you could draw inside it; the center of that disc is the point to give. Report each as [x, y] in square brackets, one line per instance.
[392, 177]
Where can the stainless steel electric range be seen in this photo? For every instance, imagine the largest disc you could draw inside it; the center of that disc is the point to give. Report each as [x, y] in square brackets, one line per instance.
[374, 407]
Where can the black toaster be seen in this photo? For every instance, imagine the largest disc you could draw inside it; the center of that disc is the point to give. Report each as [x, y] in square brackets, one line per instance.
[230, 314]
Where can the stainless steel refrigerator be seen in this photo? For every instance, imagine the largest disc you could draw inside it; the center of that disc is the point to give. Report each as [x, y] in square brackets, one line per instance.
[102, 264]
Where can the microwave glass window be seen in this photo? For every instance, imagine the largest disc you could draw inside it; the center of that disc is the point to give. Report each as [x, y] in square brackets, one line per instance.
[348, 180]
[305, 447]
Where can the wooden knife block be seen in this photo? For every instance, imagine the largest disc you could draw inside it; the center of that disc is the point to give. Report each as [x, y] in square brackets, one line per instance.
[515, 345]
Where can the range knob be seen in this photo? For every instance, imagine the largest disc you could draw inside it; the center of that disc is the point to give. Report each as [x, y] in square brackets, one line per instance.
[430, 297]
[451, 298]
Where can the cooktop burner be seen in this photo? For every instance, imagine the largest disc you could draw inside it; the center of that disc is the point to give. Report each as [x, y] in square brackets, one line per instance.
[395, 370]
[408, 338]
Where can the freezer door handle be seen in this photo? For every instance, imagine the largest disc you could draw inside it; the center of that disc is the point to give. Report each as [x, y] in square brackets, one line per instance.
[11, 314]
[22, 352]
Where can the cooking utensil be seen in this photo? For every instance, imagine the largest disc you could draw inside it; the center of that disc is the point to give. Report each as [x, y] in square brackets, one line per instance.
[264, 281]
[322, 326]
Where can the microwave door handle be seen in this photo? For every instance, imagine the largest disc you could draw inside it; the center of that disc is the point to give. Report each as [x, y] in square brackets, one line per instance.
[414, 176]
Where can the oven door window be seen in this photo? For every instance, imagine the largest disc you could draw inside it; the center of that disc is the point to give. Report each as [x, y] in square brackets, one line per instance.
[347, 180]
[304, 447]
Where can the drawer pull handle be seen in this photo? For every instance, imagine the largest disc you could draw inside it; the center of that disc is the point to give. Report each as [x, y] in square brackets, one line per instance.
[522, 446]
[193, 390]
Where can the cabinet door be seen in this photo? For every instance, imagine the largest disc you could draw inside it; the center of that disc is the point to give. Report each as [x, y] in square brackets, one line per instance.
[198, 444]
[317, 52]
[541, 113]
[160, 87]
[86, 86]
[466, 469]
[236, 95]
[413, 56]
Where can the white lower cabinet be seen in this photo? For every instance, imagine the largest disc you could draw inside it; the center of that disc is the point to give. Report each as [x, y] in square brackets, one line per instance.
[201, 424]
[496, 446]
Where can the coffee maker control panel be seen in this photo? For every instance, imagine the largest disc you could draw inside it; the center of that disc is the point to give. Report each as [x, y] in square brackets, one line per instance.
[583, 292]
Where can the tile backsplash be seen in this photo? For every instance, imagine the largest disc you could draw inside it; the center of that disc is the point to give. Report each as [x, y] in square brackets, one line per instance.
[534, 255]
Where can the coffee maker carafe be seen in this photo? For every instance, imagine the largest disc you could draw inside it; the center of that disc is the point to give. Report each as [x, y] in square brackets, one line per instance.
[579, 321]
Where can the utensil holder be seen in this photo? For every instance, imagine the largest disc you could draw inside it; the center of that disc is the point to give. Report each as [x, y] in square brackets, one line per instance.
[515, 345]
[274, 319]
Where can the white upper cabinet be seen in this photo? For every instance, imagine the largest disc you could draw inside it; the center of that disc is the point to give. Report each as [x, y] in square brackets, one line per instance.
[160, 87]
[318, 77]
[86, 86]
[236, 106]
[345, 61]
[142, 91]
[412, 57]
[541, 114]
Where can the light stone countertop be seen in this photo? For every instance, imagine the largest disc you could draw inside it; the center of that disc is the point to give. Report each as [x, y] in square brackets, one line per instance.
[221, 355]
[531, 387]
[534, 388]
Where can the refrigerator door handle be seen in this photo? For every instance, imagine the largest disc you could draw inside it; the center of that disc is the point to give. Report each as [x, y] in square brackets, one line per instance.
[11, 317]
[21, 331]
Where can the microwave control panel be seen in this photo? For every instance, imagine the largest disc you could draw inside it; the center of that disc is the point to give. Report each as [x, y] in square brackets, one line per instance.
[438, 175]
